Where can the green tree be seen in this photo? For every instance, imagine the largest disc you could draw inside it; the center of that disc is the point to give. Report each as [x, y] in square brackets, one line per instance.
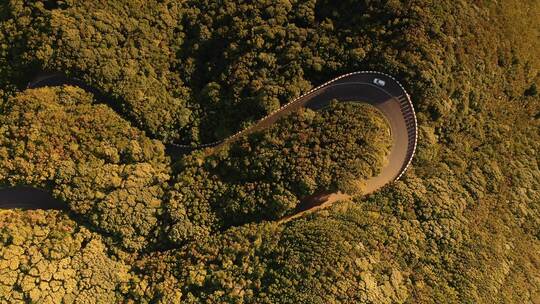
[108, 172]
[47, 258]
[265, 175]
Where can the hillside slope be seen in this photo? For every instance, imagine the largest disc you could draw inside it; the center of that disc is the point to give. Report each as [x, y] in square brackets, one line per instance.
[462, 226]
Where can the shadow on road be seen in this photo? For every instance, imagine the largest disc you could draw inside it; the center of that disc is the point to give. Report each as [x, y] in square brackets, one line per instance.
[29, 198]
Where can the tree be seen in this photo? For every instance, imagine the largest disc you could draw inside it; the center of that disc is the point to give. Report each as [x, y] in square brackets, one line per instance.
[108, 172]
[265, 175]
[47, 258]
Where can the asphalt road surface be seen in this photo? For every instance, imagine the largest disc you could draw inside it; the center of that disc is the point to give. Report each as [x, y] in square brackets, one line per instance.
[28, 198]
[378, 89]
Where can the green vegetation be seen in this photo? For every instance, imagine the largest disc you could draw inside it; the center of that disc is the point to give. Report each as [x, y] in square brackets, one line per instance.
[462, 226]
[265, 175]
[47, 258]
[352, 253]
[85, 154]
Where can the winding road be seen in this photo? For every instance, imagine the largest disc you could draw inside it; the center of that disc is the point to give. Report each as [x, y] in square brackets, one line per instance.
[375, 88]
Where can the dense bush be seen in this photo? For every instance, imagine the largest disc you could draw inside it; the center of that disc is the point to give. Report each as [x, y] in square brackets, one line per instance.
[461, 227]
[195, 71]
[329, 257]
[265, 175]
[47, 258]
[109, 172]
[419, 241]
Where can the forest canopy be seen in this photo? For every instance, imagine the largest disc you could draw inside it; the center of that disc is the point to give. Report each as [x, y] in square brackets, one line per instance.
[108, 172]
[461, 226]
[47, 258]
[266, 175]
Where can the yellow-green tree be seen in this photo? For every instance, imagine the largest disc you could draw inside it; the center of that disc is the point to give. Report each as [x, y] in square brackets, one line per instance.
[108, 172]
[47, 258]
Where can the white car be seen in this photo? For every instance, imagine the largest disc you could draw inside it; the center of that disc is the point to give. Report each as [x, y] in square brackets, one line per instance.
[379, 82]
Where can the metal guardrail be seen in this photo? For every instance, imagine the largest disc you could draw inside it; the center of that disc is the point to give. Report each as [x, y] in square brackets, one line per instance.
[412, 130]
